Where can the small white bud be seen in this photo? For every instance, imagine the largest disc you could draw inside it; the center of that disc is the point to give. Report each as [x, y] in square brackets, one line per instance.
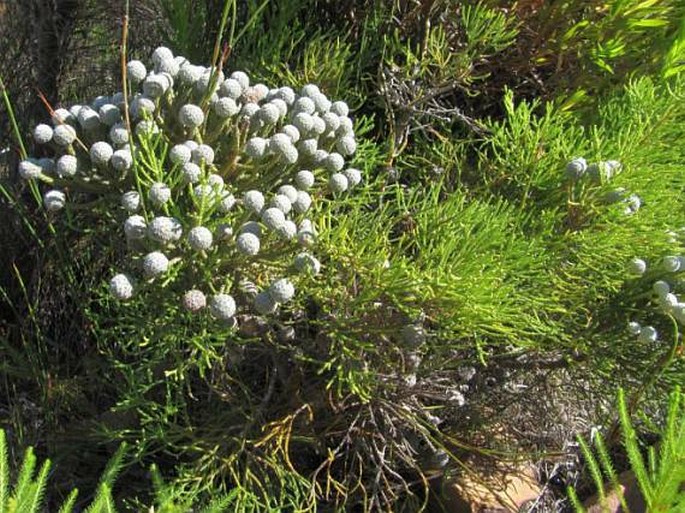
[222, 306]
[121, 287]
[54, 200]
[200, 238]
[130, 201]
[194, 300]
[159, 193]
[42, 134]
[637, 266]
[248, 244]
[191, 116]
[154, 264]
[135, 227]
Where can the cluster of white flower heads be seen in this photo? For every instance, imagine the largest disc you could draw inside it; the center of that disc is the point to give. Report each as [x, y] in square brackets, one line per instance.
[603, 172]
[206, 170]
[664, 291]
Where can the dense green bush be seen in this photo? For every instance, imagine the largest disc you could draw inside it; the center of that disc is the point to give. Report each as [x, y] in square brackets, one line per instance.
[478, 264]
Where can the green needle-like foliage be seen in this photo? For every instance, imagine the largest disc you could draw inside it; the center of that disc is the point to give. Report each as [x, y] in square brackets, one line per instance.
[660, 477]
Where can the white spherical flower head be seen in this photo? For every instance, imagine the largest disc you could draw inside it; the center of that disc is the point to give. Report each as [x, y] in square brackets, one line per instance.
[338, 183]
[142, 107]
[282, 203]
[61, 116]
[292, 132]
[159, 193]
[346, 145]
[231, 88]
[191, 116]
[169, 67]
[287, 230]
[661, 288]
[576, 168]
[42, 134]
[282, 290]
[323, 104]
[203, 154]
[304, 105]
[200, 238]
[227, 203]
[304, 122]
[354, 176]
[160, 54]
[101, 153]
[130, 201]
[67, 165]
[289, 154]
[668, 301]
[154, 264]
[268, 113]
[289, 191]
[253, 201]
[194, 300]
[225, 107]
[154, 86]
[278, 143]
[346, 127]
[637, 266]
[165, 229]
[109, 114]
[256, 147]
[318, 126]
[265, 304]
[242, 78]
[671, 264]
[180, 154]
[648, 334]
[340, 108]
[122, 160]
[222, 306]
[286, 94]
[64, 135]
[54, 200]
[332, 121]
[189, 74]
[249, 110]
[281, 106]
[118, 134]
[308, 147]
[304, 179]
[334, 162]
[306, 263]
[29, 169]
[146, 128]
[248, 243]
[273, 218]
[303, 202]
[136, 71]
[191, 172]
[88, 119]
[135, 227]
[319, 157]
[121, 287]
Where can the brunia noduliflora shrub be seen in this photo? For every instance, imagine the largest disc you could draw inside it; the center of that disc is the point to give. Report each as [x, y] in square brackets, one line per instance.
[213, 181]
